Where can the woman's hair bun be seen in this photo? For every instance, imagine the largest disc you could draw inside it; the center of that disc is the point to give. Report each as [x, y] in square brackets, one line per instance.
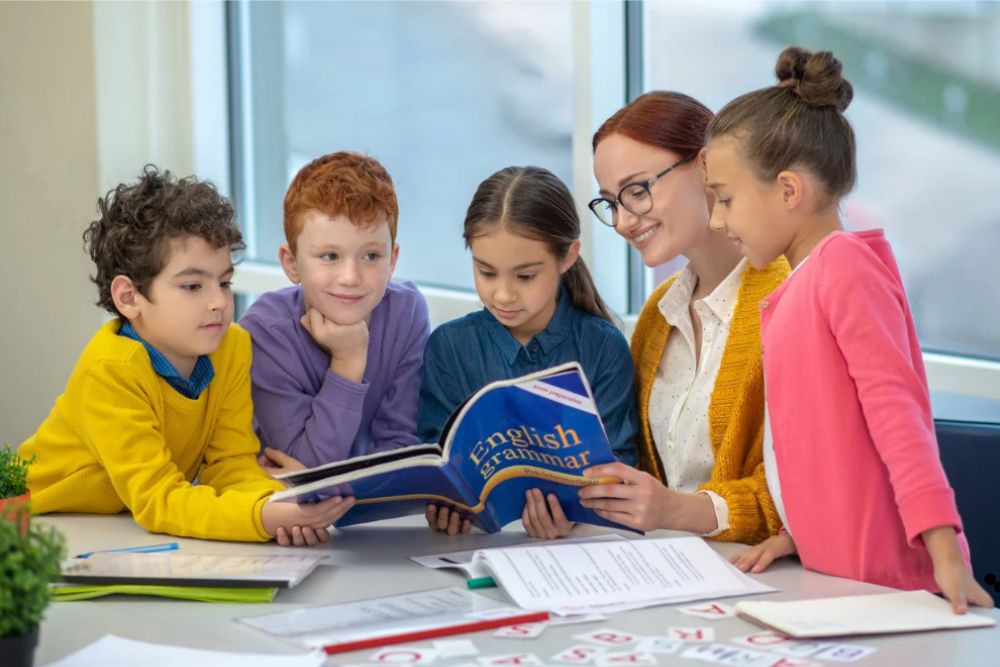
[817, 78]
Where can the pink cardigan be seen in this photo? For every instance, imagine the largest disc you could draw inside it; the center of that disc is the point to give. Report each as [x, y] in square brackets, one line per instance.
[851, 419]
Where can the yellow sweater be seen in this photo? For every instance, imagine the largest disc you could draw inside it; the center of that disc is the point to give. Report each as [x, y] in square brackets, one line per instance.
[736, 409]
[121, 438]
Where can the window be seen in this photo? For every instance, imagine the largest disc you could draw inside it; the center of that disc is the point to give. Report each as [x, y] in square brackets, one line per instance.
[926, 78]
[442, 93]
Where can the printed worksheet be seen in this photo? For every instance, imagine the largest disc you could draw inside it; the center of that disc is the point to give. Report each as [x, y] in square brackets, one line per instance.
[570, 578]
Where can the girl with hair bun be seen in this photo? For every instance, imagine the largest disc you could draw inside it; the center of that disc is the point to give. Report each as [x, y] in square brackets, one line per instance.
[541, 309]
[849, 446]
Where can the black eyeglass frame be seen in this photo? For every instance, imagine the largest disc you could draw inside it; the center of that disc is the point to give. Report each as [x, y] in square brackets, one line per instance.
[645, 185]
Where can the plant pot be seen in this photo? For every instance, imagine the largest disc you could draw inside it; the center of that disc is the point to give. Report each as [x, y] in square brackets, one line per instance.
[19, 650]
[17, 509]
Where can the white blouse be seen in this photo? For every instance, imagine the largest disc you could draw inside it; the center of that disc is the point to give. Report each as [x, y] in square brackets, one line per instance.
[682, 388]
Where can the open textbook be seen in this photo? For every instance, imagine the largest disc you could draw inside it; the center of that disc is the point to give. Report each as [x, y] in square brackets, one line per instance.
[174, 569]
[537, 431]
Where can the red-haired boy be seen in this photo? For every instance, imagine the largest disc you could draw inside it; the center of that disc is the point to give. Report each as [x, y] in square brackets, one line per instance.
[337, 357]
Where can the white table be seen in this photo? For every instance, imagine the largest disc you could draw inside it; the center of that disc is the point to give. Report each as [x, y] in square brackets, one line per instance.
[372, 560]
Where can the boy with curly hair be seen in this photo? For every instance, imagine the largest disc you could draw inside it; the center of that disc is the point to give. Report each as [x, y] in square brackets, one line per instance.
[337, 356]
[161, 394]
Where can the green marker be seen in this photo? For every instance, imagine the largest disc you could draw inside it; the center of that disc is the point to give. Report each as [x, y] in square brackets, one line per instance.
[480, 582]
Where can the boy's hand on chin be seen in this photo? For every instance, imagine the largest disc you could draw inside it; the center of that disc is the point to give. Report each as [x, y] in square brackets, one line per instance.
[346, 343]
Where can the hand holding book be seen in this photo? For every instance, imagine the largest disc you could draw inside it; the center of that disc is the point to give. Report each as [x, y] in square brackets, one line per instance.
[303, 525]
[540, 431]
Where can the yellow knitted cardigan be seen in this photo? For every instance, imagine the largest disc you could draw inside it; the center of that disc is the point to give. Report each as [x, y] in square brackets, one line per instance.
[736, 409]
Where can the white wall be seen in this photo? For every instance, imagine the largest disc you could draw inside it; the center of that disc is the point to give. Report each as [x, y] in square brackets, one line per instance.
[48, 187]
[89, 92]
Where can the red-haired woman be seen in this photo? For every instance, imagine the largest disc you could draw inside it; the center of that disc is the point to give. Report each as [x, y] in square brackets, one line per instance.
[696, 345]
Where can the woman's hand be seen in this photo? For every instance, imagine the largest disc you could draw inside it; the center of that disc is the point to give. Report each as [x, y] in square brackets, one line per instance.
[642, 502]
[445, 520]
[759, 558]
[546, 521]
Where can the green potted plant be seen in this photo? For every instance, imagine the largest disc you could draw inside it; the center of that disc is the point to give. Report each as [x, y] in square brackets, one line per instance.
[14, 494]
[28, 564]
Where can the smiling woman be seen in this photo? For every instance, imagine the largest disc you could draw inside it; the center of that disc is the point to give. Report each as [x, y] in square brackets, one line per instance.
[696, 345]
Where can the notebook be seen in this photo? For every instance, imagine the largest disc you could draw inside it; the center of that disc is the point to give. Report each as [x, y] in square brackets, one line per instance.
[910, 611]
[72, 592]
[175, 569]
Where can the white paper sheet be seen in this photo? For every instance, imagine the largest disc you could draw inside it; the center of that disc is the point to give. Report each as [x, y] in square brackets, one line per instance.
[462, 560]
[113, 651]
[607, 577]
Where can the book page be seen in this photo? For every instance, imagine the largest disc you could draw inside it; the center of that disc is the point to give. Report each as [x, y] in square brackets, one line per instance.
[365, 461]
[909, 611]
[571, 576]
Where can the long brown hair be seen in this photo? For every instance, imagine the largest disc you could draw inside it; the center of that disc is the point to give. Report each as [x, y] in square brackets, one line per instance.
[798, 122]
[532, 202]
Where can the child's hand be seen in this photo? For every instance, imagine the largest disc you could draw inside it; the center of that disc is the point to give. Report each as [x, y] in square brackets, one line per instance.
[302, 523]
[759, 558]
[546, 521]
[346, 343]
[445, 520]
[301, 536]
[950, 571]
[960, 587]
[275, 462]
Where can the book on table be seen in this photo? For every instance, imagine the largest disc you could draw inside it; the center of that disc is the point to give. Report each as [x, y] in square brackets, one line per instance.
[900, 611]
[394, 619]
[537, 431]
[174, 569]
[235, 594]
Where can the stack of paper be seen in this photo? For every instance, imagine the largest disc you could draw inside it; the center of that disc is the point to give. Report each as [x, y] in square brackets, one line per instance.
[911, 611]
[606, 577]
[351, 626]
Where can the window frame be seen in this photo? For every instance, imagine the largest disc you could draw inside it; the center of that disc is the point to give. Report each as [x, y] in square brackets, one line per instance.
[613, 28]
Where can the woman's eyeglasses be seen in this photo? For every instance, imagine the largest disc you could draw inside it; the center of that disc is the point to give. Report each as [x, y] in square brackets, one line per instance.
[636, 198]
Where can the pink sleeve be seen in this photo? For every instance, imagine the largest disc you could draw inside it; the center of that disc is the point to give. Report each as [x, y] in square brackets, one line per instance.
[865, 306]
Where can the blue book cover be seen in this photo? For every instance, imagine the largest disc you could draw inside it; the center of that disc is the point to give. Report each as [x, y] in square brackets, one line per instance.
[537, 431]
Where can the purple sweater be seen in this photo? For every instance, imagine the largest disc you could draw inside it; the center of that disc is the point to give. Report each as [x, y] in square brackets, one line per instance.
[304, 409]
